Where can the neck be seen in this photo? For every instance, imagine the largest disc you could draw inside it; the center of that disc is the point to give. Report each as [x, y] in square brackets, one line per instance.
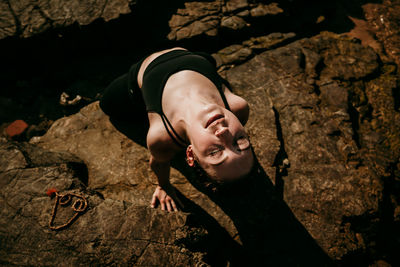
[193, 111]
[187, 103]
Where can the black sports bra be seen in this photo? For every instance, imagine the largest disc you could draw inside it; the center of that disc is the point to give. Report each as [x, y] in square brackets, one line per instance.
[161, 68]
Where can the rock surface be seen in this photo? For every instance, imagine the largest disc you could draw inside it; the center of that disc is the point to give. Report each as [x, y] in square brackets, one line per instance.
[117, 166]
[110, 232]
[29, 17]
[384, 21]
[325, 128]
[324, 125]
[210, 17]
[337, 118]
[239, 53]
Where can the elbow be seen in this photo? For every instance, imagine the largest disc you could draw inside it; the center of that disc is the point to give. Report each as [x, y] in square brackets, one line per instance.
[156, 163]
[152, 162]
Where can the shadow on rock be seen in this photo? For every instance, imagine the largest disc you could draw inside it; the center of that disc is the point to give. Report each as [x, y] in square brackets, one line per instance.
[268, 232]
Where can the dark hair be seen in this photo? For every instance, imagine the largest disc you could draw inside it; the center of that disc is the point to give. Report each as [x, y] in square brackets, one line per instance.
[205, 179]
[214, 185]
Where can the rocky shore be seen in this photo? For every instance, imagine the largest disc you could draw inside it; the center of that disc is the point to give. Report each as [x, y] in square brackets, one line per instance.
[324, 125]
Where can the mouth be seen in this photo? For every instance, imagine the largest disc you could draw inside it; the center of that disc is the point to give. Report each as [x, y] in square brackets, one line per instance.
[214, 118]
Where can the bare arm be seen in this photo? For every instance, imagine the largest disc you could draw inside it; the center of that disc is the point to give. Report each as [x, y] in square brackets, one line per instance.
[161, 170]
[164, 192]
[243, 113]
[161, 156]
[238, 106]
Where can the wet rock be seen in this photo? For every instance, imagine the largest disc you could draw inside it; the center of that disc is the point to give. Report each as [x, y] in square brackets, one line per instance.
[27, 18]
[108, 232]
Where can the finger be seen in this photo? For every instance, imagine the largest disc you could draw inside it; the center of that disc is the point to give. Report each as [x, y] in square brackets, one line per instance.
[153, 201]
[174, 206]
[169, 206]
[162, 205]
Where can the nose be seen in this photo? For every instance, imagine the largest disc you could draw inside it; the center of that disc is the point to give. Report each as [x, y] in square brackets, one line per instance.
[221, 131]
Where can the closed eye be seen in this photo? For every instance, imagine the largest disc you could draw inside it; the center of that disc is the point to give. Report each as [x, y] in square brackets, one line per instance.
[243, 143]
[215, 151]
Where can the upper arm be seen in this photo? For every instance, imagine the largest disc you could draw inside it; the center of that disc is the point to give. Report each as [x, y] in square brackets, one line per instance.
[238, 106]
[242, 111]
[159, 144]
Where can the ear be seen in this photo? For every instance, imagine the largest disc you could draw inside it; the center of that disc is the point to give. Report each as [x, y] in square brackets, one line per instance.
[190, 156]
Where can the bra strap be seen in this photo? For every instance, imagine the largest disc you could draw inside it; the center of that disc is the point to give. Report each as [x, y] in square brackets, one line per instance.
[221, 81]
[177, 139]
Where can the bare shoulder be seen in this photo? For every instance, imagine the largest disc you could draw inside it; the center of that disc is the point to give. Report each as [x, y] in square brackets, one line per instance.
[238, 105]
[149, 59]
[160, 143]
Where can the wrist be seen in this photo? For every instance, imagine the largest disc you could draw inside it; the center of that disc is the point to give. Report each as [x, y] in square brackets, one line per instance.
[164, 184]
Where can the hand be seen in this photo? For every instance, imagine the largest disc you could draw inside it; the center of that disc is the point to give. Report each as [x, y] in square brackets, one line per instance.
[165, 196]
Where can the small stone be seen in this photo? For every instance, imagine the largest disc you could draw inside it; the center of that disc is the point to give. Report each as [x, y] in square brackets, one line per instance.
[233, 23]
[16, 128]
[320, 19]
[234, 5]
[263, 10]
[286, 162]
[244, 13]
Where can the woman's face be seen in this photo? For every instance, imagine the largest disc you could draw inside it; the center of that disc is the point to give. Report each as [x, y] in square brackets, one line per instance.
[220, 144]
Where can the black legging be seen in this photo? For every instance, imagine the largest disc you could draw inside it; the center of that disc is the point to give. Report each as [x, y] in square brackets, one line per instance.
[119, 104]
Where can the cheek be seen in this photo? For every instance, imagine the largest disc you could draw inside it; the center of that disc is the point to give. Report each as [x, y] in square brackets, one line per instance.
[201, 142]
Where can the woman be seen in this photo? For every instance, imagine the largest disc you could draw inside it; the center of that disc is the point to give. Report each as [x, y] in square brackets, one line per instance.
[189, 108]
